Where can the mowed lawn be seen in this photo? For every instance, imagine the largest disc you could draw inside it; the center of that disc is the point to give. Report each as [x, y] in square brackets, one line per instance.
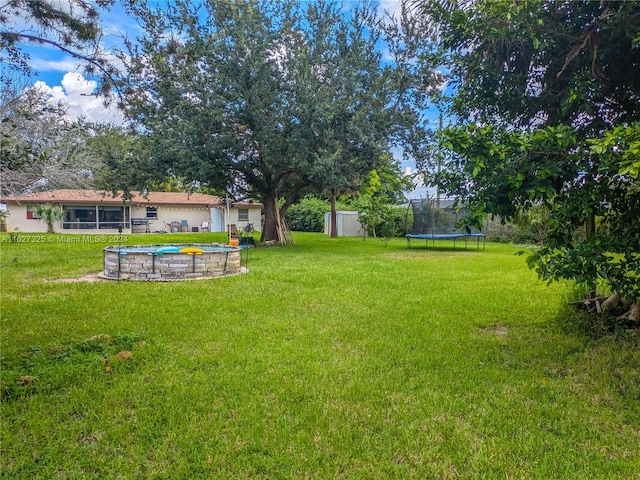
[331, 359]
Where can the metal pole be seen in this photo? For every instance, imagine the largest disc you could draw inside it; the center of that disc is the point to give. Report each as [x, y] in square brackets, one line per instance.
[439, 165]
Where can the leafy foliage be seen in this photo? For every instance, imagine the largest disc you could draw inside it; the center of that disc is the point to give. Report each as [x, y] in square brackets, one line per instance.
[72, 27]
[40, 148]
[273, 100]
[49, 214]
[548, 107]
[375, 207]
[123, 159]
[307, 215]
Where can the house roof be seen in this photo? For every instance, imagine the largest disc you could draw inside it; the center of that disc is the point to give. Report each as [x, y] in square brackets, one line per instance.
[68, 196]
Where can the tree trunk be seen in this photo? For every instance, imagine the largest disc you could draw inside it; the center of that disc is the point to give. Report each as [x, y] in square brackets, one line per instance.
[270, 227]
[590, 227]
[590, 231]
[279, 229]
[633, 314]
[274, 228]
[333, 229]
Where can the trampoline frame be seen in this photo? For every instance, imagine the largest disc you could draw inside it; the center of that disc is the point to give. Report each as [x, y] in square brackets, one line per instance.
[448, 236]
[424, 221]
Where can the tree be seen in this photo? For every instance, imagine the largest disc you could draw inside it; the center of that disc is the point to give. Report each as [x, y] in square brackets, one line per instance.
[547, 99]
[373, 207]
[122, 158]
[381, 190]
[267, 99]
[71, 27]
[49, 214]
[40, 149]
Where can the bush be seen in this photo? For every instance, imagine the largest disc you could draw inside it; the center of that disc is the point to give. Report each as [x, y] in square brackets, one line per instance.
[398, 217]
[393, 222]
[307, 215]
[503, 233]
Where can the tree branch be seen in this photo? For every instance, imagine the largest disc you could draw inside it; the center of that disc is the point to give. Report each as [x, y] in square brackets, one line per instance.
[92, 60]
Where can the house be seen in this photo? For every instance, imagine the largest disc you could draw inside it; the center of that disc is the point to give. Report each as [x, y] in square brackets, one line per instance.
[91, 211]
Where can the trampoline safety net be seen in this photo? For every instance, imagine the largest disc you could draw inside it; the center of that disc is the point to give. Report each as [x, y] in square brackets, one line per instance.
[430, 220]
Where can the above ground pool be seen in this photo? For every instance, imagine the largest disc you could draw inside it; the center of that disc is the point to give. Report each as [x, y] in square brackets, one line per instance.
[170, 261]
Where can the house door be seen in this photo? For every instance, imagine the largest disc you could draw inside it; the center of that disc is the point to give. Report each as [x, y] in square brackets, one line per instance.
[217, 220]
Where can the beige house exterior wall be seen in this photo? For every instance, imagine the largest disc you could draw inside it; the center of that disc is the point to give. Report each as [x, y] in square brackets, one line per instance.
[255, 217]
[169, 216]
[194, 217]
[17, 219]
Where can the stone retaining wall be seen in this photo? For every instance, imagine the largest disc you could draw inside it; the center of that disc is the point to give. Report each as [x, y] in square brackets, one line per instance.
[170, 266]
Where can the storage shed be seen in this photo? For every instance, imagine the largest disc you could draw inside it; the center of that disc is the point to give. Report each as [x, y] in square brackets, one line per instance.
[348, 224]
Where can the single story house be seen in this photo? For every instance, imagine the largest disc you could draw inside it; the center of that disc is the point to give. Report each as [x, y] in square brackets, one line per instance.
[92, 211]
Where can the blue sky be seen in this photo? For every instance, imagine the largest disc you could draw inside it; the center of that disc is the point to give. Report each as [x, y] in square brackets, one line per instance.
[62, 76]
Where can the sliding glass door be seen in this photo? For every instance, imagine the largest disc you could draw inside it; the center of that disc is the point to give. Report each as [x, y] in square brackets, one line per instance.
[96, 217]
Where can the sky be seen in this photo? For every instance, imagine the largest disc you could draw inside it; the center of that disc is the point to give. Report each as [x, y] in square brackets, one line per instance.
[61, 76]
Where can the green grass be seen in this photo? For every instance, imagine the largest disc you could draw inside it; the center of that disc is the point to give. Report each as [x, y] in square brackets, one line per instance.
[337, 359]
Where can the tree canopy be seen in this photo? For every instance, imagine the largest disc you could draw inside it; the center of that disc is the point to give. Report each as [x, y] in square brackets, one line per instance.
[40, 148]
[72, 27]
[270, 99]
[547, 95]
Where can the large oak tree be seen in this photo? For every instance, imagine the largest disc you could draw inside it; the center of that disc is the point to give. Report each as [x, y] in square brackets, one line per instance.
[271, 99]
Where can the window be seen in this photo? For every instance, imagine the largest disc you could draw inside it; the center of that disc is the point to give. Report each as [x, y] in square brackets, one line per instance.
[90, 217]
[113, 217]
[243, 214]
[31, 214]
[152, 212]
[79, 217]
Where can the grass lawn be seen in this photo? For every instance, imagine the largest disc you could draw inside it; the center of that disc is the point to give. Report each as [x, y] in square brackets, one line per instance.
[331, 359]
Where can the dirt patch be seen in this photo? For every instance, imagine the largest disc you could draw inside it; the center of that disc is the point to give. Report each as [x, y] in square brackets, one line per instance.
[498, 330]
[91, 277]
[99, 277]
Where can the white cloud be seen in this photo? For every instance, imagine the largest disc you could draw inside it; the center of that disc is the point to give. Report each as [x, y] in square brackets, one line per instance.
[78, 94]
[61, 65]
[392, 7]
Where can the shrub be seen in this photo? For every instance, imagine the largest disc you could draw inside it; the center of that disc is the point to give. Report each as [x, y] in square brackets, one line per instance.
[397, 216]
[307, 215]
[49, 214]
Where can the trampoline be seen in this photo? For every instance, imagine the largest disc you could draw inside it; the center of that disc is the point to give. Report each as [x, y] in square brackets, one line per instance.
[435, 223]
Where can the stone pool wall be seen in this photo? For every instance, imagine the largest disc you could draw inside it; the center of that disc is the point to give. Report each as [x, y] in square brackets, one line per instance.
[170, 266]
